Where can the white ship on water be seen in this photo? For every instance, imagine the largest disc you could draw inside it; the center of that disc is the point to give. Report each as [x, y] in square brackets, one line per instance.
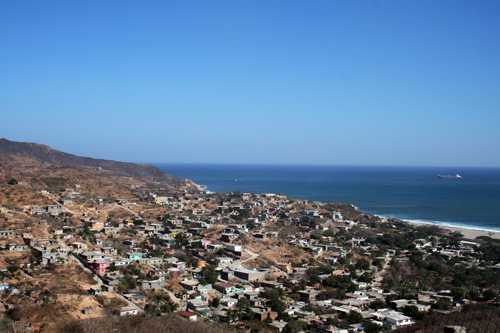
[449, 176]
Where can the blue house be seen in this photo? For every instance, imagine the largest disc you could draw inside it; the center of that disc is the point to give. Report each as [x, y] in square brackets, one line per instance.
[135, 255]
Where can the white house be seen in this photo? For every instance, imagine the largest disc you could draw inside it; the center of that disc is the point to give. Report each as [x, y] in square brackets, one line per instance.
[127, 311]
[394, 321]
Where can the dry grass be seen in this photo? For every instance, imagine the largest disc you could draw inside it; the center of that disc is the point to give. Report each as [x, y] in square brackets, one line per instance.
[57, 294]
[135, 324]
[273, 250]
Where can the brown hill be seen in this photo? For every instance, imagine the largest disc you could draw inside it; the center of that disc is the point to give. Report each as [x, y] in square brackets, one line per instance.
[46, 154]
[36, 163]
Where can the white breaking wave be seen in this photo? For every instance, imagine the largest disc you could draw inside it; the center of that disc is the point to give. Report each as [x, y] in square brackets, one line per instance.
[446, 224]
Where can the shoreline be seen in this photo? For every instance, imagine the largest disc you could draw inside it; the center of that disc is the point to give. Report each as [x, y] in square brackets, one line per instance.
[468, 233]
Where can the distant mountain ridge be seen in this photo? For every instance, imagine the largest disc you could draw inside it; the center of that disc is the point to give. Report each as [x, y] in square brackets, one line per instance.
[43, 153]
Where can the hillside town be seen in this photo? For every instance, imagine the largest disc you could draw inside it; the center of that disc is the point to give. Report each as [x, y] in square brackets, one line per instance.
[248, 261]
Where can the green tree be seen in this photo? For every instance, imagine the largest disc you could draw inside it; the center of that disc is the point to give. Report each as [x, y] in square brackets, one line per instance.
[378, 304]
[354, 317]
[373, 328]
[490, 294]
[343, 282]
[138, 222]
[442, 304]
[412, 311]
[458, 293]
[161, 303]
[244, 303]
[87, 232]
[274, 300]
[331, 321]
[215, 302]
[294, 326]
[181, 239]
[363, 264]
[126, 284]
[209, 274]
[329, 233]
[168, 307]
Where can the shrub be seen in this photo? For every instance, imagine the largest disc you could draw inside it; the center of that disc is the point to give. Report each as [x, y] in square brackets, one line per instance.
[12, 268]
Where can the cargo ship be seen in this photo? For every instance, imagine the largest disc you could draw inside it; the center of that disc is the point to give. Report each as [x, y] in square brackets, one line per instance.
[449, 176]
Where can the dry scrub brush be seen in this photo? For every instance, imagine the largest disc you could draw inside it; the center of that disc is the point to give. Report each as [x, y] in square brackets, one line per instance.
[141, 323]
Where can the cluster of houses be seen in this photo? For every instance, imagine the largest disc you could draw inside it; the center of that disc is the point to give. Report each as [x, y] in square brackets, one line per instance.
[243, 215]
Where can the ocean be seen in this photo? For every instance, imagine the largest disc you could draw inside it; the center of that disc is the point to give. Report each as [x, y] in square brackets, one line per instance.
[408, 193]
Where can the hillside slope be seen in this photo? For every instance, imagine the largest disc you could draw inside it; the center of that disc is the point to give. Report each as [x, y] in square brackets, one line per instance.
[28, 161]
[46, 154]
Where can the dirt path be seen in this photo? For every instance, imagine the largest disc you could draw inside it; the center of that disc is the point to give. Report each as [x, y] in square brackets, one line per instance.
[379, 275]
[252, 257]
[128, 210]
[130, 304]
[51, 197]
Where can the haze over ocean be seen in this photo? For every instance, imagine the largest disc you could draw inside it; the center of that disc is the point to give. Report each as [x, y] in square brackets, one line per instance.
[409, 193]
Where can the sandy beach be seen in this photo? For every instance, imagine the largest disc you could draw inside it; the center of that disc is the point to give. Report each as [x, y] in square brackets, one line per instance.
[468, 233]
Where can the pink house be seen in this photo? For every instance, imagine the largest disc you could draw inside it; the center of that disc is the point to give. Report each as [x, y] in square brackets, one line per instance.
[98, 267]
[205, 242]
[229, 302]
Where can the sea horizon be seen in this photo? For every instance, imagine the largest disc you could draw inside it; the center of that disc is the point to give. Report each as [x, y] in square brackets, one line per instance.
[318, 165]
[409, 193]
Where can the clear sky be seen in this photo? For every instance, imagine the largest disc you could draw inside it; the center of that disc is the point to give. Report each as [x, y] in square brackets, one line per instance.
[308, 82]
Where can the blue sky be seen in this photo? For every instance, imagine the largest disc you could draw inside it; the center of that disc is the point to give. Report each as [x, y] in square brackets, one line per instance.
[307, 82]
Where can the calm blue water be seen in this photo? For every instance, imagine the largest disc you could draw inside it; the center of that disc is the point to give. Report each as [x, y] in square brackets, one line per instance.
[410, 193]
